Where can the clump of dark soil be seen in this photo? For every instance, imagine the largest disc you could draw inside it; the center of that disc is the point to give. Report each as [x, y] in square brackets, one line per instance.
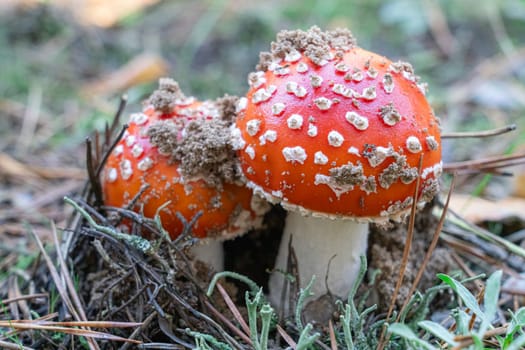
[195, 135]
[385, 255]
[315, 43]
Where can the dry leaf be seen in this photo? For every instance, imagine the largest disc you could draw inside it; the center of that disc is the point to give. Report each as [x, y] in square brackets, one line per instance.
[144, 68]
[477, 210]
[519, 185]
[103, 13]
[12, 167]
[519, 177]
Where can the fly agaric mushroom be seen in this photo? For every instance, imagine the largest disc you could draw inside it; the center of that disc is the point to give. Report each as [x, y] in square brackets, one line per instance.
[335, 133]
[179, 148]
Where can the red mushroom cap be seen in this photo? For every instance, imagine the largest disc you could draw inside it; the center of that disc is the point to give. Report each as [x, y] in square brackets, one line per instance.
[331, 129]
[145, 155]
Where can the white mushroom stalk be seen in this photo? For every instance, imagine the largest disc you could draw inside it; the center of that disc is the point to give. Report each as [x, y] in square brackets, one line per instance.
[209, 252]
[325, 248]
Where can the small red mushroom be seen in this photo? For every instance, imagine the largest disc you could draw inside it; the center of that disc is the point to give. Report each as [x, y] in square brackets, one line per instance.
[166, 147]
[335, 133]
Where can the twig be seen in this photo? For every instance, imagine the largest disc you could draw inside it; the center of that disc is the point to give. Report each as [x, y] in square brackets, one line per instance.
[486, 163]
[139, 330]
[230, 339]
[485, 234]
[333, 339]
[12, 346]
[234, 310]
[60, 287]
[71, 328]
[137, 294]
[24, 297]
[116, 119]
[133, 202]
[97, 147]
[186, 226]
[104, 159]
[109, 147]
[69, 282]
[94, 324]
[94, 181]
[31, 116]
[513, 291]
[286, 337]
[430, 249]
[468, 249]
[228, 323]
[289, 289]
[466, 340]
[478, 134]
[408, 243]
[439, 27]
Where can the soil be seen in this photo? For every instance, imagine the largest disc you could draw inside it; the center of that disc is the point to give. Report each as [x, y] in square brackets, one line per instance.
[198, 137]
[385, 255]
[206, 151]
[315, 44]
[165, 98]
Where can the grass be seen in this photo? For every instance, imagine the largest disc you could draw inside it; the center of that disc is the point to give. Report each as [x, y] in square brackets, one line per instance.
[473, 324]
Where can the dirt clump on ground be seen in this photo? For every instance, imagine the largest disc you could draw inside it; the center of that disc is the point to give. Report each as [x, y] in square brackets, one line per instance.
[386, 252]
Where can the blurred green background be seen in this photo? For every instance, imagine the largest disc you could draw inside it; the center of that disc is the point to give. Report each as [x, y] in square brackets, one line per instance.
[59, 59]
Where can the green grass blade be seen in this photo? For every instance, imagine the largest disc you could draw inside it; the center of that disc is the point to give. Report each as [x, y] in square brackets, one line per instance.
[439, 331]
[490, 301]
[517, 344]
[405, 332]
[464, 294]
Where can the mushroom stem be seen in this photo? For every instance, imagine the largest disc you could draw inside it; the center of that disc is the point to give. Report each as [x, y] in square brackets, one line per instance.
[327, 248]
[210, 251]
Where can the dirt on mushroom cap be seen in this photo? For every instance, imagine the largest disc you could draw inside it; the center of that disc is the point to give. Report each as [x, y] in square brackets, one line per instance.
[167, 96]
[200, 145]
[315, 44]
